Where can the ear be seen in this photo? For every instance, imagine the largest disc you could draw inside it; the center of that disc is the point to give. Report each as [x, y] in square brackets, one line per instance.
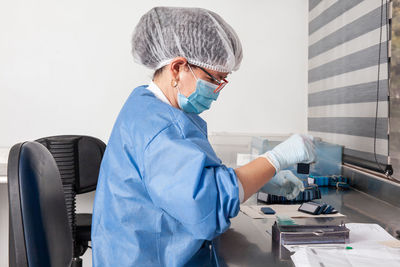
[177, 64]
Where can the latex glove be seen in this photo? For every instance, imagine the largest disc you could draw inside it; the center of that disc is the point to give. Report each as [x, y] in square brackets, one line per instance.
[284, 183]
[298, 148]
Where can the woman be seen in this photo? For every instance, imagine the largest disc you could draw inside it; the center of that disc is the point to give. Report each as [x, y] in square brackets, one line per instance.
[162, 192]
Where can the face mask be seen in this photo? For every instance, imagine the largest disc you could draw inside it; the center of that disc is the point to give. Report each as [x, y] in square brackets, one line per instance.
[200, 99]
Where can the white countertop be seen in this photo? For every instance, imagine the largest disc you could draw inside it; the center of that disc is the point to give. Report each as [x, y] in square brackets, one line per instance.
[4, 154]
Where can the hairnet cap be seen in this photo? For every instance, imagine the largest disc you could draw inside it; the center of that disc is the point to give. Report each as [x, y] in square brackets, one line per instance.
[199, 35]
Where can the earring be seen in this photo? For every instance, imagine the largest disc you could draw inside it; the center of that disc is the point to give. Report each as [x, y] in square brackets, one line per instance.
[174, 83]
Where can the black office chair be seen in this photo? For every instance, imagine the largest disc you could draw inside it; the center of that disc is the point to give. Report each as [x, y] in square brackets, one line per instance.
[78, 159]
[39, 233]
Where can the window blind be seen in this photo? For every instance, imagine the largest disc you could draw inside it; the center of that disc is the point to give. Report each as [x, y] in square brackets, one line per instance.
[343, 50]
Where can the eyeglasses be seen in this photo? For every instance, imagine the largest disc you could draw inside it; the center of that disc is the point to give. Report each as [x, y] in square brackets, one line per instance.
[221, 83]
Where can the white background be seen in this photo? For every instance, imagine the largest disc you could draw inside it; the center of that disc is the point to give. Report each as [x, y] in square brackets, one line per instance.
[66, 67]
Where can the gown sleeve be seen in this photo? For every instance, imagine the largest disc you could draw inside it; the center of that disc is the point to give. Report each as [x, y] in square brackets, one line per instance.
[186, 183]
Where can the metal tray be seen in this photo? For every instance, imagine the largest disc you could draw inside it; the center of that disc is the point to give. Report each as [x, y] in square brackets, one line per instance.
[310, 234]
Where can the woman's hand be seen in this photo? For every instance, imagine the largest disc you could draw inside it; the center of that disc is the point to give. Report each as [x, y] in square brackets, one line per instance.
[298, 148]
[285, 184]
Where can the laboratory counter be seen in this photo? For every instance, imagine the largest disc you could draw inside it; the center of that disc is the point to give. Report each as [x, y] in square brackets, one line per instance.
[248, 241]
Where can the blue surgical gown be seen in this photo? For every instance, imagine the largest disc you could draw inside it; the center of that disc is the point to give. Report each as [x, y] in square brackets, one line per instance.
[162, 191]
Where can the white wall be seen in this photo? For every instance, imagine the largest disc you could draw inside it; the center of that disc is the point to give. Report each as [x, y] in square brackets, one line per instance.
[66, 68]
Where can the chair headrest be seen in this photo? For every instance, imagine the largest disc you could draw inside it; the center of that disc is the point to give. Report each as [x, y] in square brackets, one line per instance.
[78, 159]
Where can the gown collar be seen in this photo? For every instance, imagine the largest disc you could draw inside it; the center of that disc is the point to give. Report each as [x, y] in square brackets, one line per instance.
[158, 92]
[193, 117]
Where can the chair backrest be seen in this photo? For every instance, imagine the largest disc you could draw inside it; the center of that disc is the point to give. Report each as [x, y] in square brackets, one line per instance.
[39, 233]
[78, 158]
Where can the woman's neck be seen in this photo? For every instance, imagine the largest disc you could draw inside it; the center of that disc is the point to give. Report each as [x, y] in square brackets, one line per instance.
[169, 91]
